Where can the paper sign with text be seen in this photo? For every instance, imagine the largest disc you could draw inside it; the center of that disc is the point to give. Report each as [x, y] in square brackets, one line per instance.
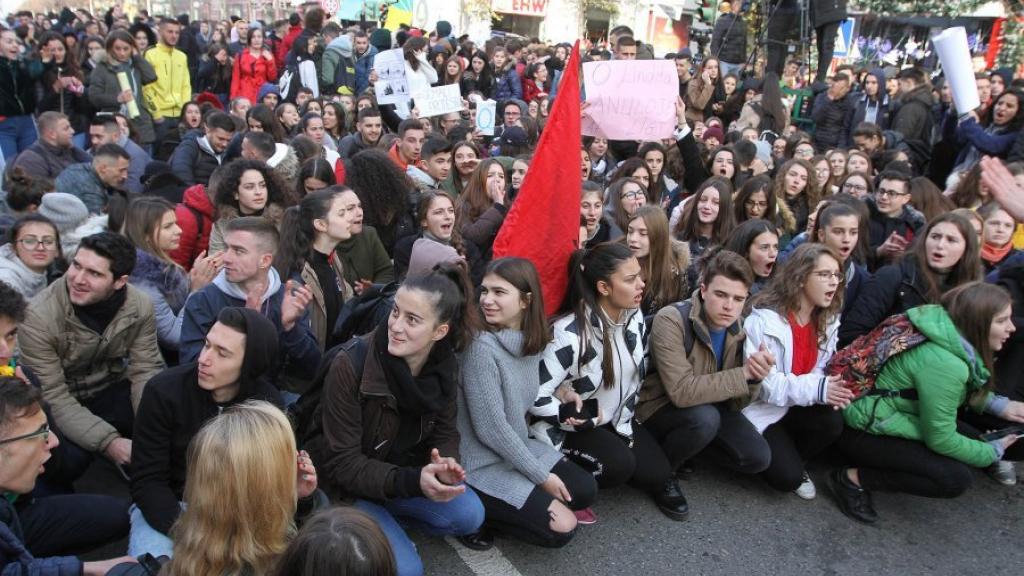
[438, 100]
[392, 86]
[485, 111]
[630, 99]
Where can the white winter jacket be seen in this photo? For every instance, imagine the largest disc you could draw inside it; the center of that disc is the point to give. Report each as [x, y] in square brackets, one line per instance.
[782, 389]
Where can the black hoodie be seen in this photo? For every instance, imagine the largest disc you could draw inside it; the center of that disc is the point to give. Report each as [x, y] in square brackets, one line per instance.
[174, 408]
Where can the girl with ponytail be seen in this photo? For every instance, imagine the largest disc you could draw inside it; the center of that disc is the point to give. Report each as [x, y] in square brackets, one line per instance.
[387, 436]
[309, 234]
[598, 354]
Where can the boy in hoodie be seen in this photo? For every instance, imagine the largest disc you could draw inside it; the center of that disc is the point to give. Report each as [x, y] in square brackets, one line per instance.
[236, 358]
[338, 69]
[248, 280]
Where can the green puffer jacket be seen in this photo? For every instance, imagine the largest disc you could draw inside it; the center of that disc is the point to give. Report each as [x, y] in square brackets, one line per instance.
[945, 370]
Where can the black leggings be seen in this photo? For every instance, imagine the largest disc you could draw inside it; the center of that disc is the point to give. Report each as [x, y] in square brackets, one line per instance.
[531, 523]
[803, 433]
[723, 436]
[892, 464]
[610, 458]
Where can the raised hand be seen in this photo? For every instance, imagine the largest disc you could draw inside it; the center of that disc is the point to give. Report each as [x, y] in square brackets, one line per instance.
[296, 298]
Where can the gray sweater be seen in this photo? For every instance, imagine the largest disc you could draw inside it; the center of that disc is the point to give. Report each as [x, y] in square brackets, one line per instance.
[497, 387]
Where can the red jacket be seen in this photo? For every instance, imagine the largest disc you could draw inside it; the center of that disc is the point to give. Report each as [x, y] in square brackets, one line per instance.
[195, 236]
[251, 72]
[531, 91]
[286, 44]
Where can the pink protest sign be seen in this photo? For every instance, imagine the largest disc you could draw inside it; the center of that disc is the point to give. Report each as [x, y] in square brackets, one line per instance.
[630, 99]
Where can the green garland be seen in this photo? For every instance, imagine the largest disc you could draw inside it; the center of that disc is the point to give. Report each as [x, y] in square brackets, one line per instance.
[943, 8]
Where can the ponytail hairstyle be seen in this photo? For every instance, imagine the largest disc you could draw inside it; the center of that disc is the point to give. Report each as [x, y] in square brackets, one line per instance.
[782, 294]
[587, 268]
[972, 307]
[298, 233]
[452, 295]
[522, 274]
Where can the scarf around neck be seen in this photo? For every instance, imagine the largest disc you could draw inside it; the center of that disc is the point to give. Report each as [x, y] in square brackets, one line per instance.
[424, 394]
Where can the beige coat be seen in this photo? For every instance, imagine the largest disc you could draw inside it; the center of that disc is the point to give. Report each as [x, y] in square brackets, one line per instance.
[75, 364]
[318, 312]
[691, 380]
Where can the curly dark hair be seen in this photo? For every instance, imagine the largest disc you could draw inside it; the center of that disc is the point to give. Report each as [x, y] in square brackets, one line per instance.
[277, 192]
[381, 186]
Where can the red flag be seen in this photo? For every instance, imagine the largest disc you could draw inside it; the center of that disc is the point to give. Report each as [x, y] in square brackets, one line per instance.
[544, 221]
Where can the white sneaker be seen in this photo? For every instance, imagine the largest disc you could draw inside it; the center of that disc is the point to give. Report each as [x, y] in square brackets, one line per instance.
[806, 489]
[1003, 472]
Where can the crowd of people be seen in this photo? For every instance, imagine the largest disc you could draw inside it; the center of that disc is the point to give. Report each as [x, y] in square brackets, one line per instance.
[231, 274]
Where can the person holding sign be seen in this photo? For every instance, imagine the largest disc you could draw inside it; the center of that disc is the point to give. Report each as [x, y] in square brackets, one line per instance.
[418, 71]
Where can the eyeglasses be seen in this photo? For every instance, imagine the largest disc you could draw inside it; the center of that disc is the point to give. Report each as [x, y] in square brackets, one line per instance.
[882, 192]
[632, 195]
[31, 242]
[755, 204]
[855, 187]
[44, 432]
[828, 275]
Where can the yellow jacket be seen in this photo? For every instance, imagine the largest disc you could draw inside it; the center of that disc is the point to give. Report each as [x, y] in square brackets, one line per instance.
[173, 87]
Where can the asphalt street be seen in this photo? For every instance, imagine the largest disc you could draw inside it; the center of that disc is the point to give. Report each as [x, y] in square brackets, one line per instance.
[738, 525]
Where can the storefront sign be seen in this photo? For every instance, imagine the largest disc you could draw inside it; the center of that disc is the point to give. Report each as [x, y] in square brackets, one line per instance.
[521, 7]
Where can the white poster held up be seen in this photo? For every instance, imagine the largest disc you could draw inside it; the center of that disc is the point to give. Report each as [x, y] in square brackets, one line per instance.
[392, 86]
[630, 99]
[955, 56]
[438, 100]
[485, 112]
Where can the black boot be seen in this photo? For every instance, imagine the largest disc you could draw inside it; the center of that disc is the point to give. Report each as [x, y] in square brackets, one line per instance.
[671, 500]
[480, 541]
[853, 500]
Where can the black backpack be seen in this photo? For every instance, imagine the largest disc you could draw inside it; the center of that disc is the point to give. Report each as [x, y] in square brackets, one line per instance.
[365, 312]
[307, 413]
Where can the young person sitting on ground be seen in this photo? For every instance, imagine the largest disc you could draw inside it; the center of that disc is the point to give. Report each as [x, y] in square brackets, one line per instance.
[692, 399]
[232, 368]
[796, 319]
[529, 490]
[91, 339]
[598, 353]
[918, 446]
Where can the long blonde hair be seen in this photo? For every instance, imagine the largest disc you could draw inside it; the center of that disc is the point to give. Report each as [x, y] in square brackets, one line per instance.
[241, 494]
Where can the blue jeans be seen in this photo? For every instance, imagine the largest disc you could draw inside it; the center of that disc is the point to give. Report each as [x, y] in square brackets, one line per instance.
[16, 134]
[461, 516]
[144, 538]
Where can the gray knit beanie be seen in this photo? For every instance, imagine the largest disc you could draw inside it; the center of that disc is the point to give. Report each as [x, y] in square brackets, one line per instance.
[66, 211]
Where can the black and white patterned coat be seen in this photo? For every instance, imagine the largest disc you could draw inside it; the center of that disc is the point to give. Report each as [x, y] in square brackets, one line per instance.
[564, 363]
